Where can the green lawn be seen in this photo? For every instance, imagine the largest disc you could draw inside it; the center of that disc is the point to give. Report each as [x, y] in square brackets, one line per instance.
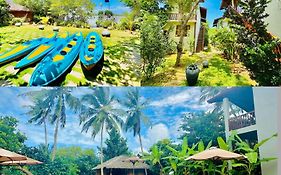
[220, 72]
[119, 67]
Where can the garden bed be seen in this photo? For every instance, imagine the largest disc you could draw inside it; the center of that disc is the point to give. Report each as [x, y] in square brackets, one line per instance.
[220, 72]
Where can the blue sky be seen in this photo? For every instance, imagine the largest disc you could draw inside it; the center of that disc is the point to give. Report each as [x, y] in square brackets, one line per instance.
[213, 7]
[166, 106]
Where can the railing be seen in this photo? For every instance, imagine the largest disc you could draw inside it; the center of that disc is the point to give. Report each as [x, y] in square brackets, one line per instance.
[242, 121]
[176, 17]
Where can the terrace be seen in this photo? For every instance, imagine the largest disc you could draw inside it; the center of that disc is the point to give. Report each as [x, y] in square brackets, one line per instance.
[242, 121]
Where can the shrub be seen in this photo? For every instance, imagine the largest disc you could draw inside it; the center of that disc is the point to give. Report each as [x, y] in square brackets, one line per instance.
[226, 41]
[44, 20]
[108, 23]
[17, 20]
[153, 45]
[4, 13]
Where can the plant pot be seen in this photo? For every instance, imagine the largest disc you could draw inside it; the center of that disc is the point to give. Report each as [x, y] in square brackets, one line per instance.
[205, 64]
[192, 73]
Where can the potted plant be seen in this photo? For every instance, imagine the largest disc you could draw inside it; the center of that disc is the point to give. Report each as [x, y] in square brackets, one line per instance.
[192, 73]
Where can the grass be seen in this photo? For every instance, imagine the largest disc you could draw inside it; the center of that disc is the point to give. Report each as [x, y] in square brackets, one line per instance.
[118, 55]
[220, 72]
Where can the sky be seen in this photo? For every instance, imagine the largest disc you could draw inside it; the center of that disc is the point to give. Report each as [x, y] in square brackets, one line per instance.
[165, 109]
[213, 7]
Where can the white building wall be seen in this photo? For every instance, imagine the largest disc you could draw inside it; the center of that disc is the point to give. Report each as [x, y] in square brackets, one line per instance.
[267, 111]
[273, 20]
[198, 26]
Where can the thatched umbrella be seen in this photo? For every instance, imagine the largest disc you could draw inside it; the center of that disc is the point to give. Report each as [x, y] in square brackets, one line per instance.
[6, 155]
[134, 160]
[216, 154]
[28, 161]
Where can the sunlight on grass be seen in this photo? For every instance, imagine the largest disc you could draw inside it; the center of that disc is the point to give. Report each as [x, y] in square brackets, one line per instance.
[219, 73]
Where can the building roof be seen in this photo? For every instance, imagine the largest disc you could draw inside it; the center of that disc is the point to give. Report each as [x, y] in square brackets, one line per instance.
[16, 7]
[121, 162]
[215, 23]
[240, 96]
[226, 3]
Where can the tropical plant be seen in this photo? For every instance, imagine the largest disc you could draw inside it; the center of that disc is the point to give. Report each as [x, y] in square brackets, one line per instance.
[155, 157]
[192, 123]
[153, 45]
[40, 114]
[38, 7]
[186, 10]
[4, 13]
[259, 51]
[135, 113]
[55, 102]
[99, 113]
[226, 40]
[116, 145]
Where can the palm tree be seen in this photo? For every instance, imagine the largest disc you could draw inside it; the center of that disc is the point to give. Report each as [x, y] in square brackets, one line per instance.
[55, 101]
[99, 114]
[39, 113]
[135, 115]
[186, 9]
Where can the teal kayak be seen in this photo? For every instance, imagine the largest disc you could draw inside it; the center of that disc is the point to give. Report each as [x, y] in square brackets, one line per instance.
[37, 54]
[92, 50]
[23, 49]
[57, 62]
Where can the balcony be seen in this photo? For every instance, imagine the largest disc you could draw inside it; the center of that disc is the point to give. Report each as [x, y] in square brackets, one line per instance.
[176, 17]
[242, 121]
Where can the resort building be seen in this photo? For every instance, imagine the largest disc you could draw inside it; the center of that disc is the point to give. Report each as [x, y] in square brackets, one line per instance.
[19, 11]
[257, 119]
[121, 165]
[273, 9]
[194, 32]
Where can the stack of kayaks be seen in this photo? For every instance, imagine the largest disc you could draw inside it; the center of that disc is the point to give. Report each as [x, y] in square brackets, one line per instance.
[37, 54]
[57, 62]
[23, 49]
[92, 51]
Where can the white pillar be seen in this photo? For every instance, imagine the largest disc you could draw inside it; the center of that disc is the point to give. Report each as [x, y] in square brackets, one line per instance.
[226, 114]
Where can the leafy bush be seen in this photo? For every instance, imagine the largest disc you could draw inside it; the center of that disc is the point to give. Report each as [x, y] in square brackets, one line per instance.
[108, 23]
[259, 51]
[44, 20]
[4, 13]
[153, 45]
[226, 41]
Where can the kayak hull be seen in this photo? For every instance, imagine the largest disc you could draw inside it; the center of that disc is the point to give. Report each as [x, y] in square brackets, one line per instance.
[92, 51]
[21, 50]
[57, 62]
[37, 54]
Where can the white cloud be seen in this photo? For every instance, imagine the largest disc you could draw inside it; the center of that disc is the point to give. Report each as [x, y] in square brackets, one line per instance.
[188, 95]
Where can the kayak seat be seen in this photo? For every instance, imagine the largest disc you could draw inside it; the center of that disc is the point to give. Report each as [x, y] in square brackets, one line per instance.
[58, 58]
[73, 43]
[92, 42]
[66, 50]
[75, 39]
[88, 58]
[69, 45]
[91, 47]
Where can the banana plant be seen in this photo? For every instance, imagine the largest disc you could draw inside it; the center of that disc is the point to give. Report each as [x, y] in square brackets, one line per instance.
[252, 154]
[155, 157]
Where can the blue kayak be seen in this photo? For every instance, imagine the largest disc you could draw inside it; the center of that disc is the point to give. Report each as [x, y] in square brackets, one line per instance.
[57, 62]
[23, 49]
[38, 53]
[91, 51]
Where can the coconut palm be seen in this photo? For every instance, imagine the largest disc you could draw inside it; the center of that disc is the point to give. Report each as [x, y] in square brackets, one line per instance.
[55, 101]
[40, 114]
[186, 9]
[135, 115]
[99, 114]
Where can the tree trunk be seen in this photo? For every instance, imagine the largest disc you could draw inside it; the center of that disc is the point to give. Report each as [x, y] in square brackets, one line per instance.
[184, 21]
[55, 139]
[145, 170]
[101, 149]
[46, 133]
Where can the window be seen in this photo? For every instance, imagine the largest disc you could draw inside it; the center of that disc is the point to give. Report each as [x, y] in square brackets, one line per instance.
[187, 28]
